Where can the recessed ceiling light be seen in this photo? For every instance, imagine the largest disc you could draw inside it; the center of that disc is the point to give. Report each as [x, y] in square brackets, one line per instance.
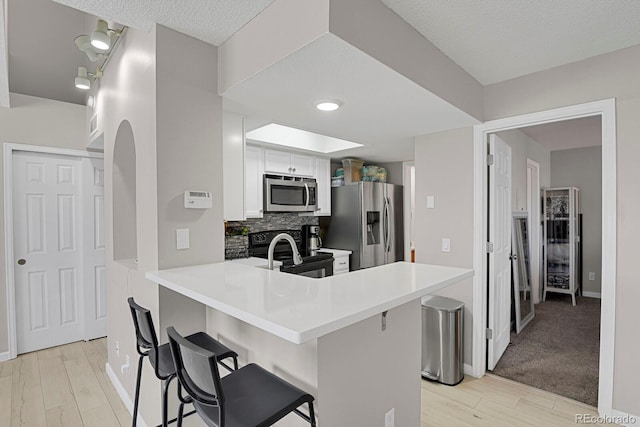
[327, 104]
[298, 138]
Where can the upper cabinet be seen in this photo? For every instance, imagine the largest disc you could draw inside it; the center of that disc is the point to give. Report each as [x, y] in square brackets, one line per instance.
[282, 162]
[233, 166]
[323, 179]
[254, 172]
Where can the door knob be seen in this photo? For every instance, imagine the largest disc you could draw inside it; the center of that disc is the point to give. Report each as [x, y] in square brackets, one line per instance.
[22, 261]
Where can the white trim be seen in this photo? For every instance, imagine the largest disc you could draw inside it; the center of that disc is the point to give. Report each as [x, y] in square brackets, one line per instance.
[7, 152]
[606, 109]
[634, 419]
[407, 190]
[128, 403]
[533, 207]
[589, 294]
[467, 369]
[4, 356]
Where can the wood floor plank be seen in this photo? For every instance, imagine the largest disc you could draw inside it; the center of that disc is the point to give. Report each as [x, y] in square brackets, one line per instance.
[66, 415]
[458, 395]
[27, 404]
[6, 368]
[56, 389]
[85, 386]
[72, 351]
[101, 416]
[5, 397]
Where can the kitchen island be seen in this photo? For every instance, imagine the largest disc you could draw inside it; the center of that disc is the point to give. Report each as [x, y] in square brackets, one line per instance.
[352, 340]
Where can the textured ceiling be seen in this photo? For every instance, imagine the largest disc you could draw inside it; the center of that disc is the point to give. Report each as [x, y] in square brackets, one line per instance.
[496, 40]
[381, 108]
[212, 21]
[568, 134]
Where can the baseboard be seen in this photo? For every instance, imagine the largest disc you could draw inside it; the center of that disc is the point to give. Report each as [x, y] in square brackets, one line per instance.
[124, 396]
[624, 419]
[591, 294]
[4, 356]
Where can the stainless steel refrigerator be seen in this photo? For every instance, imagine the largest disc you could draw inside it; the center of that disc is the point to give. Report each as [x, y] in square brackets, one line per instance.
[366, 218]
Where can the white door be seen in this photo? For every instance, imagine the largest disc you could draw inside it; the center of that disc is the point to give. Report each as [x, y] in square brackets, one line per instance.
[302, 165]
[323, 180]
[95, 286]
[48, 250]
[499, 259]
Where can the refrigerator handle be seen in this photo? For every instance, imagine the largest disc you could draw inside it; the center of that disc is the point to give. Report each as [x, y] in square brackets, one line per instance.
[386, 225]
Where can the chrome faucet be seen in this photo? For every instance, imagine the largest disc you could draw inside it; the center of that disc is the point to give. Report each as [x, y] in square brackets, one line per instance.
[297, 259]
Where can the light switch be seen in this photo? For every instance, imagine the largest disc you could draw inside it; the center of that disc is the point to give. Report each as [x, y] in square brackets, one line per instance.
[431, 202]
[446, 245]
[182, 238]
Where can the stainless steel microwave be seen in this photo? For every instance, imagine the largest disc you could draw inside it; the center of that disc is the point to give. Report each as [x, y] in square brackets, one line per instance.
[290, 194]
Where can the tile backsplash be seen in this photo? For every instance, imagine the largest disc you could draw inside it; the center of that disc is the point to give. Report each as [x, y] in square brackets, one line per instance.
[236, 246]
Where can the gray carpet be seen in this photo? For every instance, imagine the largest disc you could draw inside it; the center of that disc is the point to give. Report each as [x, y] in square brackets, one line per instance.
[559, 350]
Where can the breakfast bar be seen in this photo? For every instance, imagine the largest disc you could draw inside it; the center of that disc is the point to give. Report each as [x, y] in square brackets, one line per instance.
[351, 340]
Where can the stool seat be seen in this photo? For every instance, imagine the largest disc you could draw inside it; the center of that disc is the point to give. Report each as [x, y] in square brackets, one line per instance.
[254, 397]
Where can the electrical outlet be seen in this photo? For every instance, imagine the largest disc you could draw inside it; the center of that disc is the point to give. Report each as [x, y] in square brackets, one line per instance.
[592, 275]
[118, 349]
[446, 245]
[389, 418]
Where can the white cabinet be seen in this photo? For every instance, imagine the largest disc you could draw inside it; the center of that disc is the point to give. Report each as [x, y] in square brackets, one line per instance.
[288, 163]
[323, 180]
[254, 171]
[233, 146]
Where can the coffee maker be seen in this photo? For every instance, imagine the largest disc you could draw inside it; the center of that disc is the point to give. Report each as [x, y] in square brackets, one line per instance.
[311, 239]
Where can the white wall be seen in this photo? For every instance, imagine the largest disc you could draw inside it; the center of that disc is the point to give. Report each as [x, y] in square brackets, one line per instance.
[523, 148]
[582, 168]
[444, 169]
[35, 121]
[127, 92]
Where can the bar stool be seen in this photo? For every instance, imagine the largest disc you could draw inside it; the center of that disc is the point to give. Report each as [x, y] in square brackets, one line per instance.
[160, 355]
[247, 397]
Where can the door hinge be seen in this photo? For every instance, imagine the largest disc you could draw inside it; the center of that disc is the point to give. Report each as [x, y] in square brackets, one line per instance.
[489, 159]
[490, 247]
[489, 333]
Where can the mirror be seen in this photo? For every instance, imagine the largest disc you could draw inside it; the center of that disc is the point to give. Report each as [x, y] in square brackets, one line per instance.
[520, 271]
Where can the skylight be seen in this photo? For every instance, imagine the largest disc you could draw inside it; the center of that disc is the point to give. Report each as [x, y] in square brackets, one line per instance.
[297, 138]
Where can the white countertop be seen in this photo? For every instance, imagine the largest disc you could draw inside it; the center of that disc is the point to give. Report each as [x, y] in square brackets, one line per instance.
[335, 252]
[298, 308]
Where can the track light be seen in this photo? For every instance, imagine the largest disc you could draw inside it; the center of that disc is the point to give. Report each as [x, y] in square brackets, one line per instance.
[82, 79]
[100, 38]
[84, 44]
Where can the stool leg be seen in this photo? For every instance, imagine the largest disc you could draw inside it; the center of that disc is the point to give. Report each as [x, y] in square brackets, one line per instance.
[134, 422]
[165, 401]
[180, 412]
[312, 415]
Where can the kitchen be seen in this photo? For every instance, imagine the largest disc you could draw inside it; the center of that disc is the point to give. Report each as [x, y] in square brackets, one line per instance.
[169, 109]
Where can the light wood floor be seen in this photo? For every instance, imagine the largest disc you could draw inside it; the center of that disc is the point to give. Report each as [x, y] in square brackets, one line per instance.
[67, 386]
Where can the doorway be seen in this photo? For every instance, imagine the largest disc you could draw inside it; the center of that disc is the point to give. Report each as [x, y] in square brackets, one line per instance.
[606, 110]
[55, 244]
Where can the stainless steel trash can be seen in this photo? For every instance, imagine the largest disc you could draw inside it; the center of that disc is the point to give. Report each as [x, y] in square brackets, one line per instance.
[442, 357]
